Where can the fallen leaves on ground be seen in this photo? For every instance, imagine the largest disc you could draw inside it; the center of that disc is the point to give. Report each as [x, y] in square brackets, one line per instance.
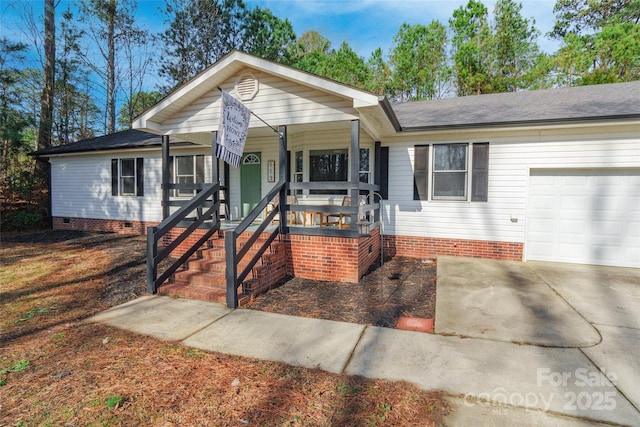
[57, 369]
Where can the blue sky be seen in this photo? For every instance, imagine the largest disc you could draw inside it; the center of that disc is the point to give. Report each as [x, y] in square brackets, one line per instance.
[368, 24]
[364, 24]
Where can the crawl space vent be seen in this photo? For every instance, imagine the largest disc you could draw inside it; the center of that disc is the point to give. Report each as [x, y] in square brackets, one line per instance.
[247, 87]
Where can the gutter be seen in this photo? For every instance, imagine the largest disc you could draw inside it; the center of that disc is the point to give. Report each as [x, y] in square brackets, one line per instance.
[519, 123]
[80, 150]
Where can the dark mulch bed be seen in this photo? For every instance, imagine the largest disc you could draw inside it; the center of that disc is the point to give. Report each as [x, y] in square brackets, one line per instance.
[401, 287]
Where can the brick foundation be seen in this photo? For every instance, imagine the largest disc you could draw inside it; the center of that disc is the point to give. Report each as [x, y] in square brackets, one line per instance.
[430, 247]
[103, 225]
[324, 258]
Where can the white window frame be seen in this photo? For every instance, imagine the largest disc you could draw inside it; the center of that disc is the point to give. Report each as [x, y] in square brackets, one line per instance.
[176, 177]
[368, 170]
[122, 177]
[464, 171]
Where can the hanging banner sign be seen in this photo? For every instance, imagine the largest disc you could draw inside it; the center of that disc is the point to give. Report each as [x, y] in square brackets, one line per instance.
[232, 130]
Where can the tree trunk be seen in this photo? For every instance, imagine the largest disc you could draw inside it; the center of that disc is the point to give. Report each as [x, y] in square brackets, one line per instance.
[46, 100]
[111, 67]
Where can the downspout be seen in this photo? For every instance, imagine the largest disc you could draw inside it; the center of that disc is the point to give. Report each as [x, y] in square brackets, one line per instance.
[375, 193]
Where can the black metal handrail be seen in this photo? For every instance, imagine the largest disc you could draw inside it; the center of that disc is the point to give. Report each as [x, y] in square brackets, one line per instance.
[235, 256]
[208, 198]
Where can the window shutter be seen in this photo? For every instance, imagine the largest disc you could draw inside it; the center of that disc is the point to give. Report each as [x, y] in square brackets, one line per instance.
[114, 177]
[139, 176]
[480, 173]
[199, 169]
[384, 172]
[420, 173]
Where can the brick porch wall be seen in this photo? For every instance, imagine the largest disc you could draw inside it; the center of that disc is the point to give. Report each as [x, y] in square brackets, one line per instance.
[368, 251]
[322, 258]
[430, 247]
[103, 225]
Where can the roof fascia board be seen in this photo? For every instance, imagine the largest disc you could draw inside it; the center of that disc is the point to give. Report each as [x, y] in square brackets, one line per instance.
[525, 124]
[154, 148]
[189, 87]
[143, 124]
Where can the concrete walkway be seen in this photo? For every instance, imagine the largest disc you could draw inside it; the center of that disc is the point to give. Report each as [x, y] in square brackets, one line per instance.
[488, 380]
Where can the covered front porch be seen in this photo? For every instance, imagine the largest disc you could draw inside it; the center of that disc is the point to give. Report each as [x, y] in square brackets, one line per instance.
[329, 229]
[311, 183]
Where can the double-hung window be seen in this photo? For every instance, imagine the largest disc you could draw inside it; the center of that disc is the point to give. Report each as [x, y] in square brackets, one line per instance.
[447, 171]
[450, 172]
[127, 177]
[299, 168]
[365, 165]
[186, 170]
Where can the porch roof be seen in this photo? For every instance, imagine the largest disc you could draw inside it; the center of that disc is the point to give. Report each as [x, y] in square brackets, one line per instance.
[193, 107]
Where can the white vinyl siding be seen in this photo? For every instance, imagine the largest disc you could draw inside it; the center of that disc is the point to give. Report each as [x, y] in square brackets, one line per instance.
[278, 101]
[81, 187]
[512, 155]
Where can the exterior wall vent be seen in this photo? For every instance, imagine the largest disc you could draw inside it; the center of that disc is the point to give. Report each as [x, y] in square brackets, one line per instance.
[247, 87]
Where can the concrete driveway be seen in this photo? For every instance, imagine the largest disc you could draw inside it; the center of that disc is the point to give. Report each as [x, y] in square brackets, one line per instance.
[609, 298]
[505, 301]
[528, 344]
[595, 310]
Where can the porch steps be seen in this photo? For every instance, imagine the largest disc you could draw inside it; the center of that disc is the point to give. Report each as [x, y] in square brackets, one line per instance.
[204, 275]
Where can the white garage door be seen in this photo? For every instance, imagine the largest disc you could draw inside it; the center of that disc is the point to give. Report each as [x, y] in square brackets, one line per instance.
[584, 217]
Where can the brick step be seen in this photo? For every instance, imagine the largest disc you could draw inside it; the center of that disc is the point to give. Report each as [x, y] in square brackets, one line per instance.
[210, 265]
[219, 253]
[212, 270]
[205, 276]
[216, 279]
[199, 292]
[202, 293]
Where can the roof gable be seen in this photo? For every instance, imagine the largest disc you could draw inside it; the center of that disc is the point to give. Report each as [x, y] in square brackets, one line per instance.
[201, 93]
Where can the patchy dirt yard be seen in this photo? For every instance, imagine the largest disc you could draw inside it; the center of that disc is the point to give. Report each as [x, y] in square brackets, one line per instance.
[401, 287]
[56, 369]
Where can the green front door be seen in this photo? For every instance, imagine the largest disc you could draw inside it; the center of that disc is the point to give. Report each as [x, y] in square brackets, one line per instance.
[250, 182]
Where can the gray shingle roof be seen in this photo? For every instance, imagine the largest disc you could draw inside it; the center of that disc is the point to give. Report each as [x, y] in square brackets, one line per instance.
[608, 101]
[125, 139]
